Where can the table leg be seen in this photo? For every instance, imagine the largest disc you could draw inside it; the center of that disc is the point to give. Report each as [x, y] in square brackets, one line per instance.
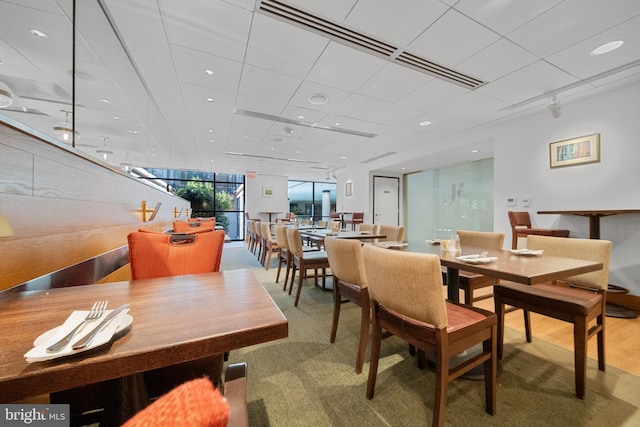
[594, 226]
[453, 284]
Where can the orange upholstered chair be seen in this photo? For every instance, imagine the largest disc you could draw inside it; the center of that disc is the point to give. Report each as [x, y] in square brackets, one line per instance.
[521, 227]
[193, 226]
[160, 255]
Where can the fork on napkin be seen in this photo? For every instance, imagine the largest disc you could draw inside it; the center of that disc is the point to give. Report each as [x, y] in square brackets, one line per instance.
[39, 352]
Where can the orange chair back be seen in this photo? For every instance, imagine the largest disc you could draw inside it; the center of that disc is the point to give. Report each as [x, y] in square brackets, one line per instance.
[193, 226]
[161, 255]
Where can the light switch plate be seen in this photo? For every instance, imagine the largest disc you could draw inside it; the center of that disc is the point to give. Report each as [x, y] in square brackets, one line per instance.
[512, 201]
[526, 202]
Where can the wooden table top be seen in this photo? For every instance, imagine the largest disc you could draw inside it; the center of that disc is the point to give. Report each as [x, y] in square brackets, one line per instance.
[175, 319]
[529, 270]
[596, 212]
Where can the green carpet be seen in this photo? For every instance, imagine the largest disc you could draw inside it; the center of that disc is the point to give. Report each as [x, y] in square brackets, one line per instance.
[306, 381]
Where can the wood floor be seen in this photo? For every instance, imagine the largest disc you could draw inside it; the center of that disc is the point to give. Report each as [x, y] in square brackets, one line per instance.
[622, 336]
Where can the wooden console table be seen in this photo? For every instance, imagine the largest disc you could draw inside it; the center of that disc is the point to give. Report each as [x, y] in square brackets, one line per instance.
[594, 217]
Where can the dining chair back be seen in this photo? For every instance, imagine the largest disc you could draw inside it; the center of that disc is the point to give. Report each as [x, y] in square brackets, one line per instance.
[393, 233]
[521, 227]
[349, 281]
[470, 282]
[355, 219]
[284, 256]
[408, 301]
[193, 226]
[582, 302]
[304, 260]
[270, 244]
[160, 255]
[369, 228]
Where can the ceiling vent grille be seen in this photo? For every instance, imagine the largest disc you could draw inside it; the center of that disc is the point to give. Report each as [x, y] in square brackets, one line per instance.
[363, 42]
[379, 156]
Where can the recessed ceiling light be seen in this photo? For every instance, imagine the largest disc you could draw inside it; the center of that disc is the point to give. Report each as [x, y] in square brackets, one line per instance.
[403, 168]
[133, 131]
[343, 157]
[116, 117]
[38, 33]
[210, 99]
[299, 117]
[425, 123]
[318, 99]
[336, 124]
[475, 151]
[105, 101]
[607, 47]
[209, 72]
[298, 152]
[211, 140]
[210, 130]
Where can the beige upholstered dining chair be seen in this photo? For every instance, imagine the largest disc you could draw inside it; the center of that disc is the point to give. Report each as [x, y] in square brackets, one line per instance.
[582, 303]
[369, 228]
[284, 256]
[270, 245]
[394, 233]
[335, 226]
[408, 301]
[303, 261]
[349, 281]
[469, 282]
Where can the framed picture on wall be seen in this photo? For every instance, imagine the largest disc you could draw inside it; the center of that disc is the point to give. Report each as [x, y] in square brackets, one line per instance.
[348, 188]
[267, 191]
[575, 151]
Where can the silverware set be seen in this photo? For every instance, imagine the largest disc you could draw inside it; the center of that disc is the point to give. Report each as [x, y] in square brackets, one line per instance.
[96, 312]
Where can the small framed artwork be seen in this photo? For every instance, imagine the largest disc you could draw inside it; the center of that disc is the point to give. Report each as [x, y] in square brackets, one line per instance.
[267, 191]
[575, 151]
[348, 189]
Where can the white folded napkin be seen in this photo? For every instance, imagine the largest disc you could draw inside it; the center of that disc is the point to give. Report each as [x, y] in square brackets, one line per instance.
[527, 251]
[391, 244]
[39, 352]
[476, 259]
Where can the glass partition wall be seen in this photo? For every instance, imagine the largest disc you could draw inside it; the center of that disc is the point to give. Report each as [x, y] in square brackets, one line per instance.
[438, 202]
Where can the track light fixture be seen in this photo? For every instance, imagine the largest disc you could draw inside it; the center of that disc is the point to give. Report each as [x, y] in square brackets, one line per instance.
[554, 107]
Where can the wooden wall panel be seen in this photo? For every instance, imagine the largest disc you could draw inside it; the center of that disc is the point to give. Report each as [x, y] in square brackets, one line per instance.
[65, 208]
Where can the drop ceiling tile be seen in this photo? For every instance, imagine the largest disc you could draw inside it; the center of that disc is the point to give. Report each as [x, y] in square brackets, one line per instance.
[344, 67]
[398, 24]
[452, 39]
[196, 96]
[393, 82]
[473, 107]
[571, 22]
[216, 27]
[432, 95]
[361, 107]
[496, 60]
[395, 115]
[260, 83]
[282, 47]
[191, 65]
[578, 60]
[535, 79]
[504, 16]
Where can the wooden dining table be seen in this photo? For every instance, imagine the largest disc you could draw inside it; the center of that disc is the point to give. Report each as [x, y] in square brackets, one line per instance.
[175, 319]
[318, 235]
[530, 270]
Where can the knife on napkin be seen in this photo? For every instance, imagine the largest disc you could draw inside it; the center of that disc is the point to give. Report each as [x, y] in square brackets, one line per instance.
[86, 340]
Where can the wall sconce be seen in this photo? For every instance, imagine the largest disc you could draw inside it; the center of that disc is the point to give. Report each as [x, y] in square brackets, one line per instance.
[5, 228]
[146, 211]
[176, 213]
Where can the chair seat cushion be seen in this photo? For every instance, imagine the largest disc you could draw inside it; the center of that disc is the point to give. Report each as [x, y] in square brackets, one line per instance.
[568, 300]
[312, 256]
[463, 316]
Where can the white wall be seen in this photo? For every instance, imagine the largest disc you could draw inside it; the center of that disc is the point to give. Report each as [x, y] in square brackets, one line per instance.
[256, 200]
[522, 169]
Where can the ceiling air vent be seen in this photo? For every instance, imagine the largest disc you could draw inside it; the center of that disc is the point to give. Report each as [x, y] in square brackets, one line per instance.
[379, 156]
[363, 42]
[337, 32]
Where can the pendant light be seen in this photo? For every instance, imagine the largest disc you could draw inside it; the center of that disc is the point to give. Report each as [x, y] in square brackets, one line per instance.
[64, 129]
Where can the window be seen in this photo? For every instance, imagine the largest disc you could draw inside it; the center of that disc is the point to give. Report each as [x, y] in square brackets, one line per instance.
[312, 200]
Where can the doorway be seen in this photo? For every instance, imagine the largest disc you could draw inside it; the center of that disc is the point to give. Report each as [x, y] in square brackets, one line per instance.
[386, 200]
